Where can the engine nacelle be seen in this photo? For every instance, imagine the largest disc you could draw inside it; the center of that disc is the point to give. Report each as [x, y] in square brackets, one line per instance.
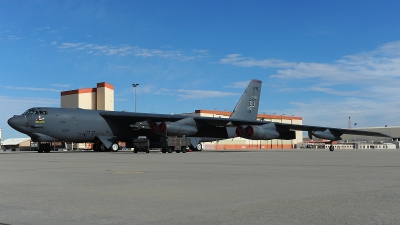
[326, 135]
[239, 131]
[154, 128]
[173, 129]
[264, 132]
[186, 126]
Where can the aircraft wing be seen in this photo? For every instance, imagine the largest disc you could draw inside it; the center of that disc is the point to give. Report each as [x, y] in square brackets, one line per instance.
[238, 122]
[336, 131]
[131, 118]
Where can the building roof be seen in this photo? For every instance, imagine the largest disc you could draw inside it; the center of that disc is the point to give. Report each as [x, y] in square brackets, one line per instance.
[87, 90]
[15, 141]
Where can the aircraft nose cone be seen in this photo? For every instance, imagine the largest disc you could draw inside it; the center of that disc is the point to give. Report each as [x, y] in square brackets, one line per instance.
[17, 122]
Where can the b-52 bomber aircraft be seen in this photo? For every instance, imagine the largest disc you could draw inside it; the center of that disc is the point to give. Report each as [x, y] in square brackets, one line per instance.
[107, 128]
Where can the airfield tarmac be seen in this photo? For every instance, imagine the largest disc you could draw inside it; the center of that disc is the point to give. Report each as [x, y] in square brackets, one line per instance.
[297, 186]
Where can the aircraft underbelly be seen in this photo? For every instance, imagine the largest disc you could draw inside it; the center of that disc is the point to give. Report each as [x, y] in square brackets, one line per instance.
[217, 132]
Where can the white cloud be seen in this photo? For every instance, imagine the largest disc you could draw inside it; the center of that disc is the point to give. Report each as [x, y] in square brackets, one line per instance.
[31, 89]
[70, 45]
[200, 94]
[126, 50]
[13, 38]
[239, 60]
[61, 85]
[366, 67]
[364, 112]
[332, 91]
[239, 84]
[364, 86]
[184, 94]
[16, 105]
[42, 28]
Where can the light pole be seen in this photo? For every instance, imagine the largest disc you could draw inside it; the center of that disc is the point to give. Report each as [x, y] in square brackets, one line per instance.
[355, 141]
[135, 85]
[385, 137]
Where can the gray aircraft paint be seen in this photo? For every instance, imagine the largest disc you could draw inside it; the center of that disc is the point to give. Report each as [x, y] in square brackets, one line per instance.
[45, 124]
[247, 107]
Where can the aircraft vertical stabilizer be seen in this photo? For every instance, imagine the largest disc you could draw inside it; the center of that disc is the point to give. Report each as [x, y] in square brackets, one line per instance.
[247, 107]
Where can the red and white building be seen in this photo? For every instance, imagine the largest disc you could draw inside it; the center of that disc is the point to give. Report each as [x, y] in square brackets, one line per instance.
[98, 98]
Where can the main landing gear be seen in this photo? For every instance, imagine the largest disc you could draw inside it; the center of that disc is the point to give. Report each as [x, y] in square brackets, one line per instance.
[43, 147]
[114, 147]
[100, 147]
[198, 147]
[331, 148]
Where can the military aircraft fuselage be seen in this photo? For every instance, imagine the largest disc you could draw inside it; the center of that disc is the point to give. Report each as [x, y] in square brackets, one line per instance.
[45, 124]
[77, 125]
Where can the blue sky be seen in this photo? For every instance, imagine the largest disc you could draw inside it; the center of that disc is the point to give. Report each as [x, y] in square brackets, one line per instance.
[321, 60]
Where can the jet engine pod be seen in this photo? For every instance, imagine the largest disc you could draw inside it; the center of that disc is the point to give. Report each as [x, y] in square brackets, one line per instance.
[176, 129]
[154, 128]
[239, 131]
[326, 135]
[249, 131]
[260, 133]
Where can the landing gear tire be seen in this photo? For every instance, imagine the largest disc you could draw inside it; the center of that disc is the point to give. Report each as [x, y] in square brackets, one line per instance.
[44, 147]
[114, 147]
[99, 147]
[199, 147]
[103, 148]
[331, 148]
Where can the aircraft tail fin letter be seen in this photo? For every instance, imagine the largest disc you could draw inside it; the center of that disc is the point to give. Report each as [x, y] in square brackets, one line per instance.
[247, 107]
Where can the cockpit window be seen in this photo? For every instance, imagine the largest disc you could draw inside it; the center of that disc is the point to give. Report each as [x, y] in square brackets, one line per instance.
[35, 111]
[29, 111]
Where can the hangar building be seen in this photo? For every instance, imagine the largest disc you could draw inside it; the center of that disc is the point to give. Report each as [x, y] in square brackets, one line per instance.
[350, 141]
[391, 131]
[17, 144]
[98, 98]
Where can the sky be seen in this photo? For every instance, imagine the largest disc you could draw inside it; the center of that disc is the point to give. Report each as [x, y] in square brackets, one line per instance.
[321, 60]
